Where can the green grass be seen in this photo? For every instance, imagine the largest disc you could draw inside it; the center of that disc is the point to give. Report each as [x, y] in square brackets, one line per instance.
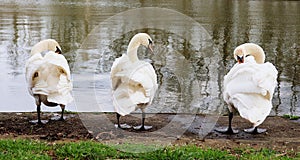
[32, 149]
[252, 154]
[70, 112]
[23, 149]
[291, 117]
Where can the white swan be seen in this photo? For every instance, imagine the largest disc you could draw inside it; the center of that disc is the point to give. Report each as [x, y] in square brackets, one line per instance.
[48, 77]
[249, 86]
[134, 82]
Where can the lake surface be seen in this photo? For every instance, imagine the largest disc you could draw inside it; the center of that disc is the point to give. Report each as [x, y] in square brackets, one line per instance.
[194, 41]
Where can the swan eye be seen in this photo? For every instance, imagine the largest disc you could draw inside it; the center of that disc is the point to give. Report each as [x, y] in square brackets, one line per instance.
[150, 42]
[248, 55]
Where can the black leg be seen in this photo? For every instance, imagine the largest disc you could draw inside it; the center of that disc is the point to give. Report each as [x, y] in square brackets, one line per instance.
[143, 121]
[255, 130]
[38, 109]
[229, 130]
[118, 120]
[230, 116]
[38, 121]
[122, 126]
[62, 112]
[142, 127]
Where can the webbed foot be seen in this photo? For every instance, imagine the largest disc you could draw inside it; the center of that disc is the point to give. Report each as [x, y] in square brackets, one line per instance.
[38, 121]
[227, 130]
[123, 126]
[255, 130]
[142, 127]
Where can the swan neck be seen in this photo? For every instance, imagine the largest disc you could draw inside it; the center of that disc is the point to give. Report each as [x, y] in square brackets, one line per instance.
[40, 47]
[258, 54]
[259, 57]
[37, 50]
[132, 51]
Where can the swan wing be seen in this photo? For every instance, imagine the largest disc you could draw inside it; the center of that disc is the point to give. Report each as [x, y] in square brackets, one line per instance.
[50, 76]
[58, 60]
[120, 64]
[266, 78]
[133, 84]
[239, 80]
[251, 78]
[122, 101]
[142, 79]
[32, 64]
[61, 93]
[249, 88]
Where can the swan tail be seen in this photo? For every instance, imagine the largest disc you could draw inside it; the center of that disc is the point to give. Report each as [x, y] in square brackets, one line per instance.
[256, 110]
[132, 91]
[63, 93]
[122, 100]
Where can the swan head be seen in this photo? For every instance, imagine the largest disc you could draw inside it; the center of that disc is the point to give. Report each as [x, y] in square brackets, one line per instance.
[141, 39]
[249, 49]
[46, 45]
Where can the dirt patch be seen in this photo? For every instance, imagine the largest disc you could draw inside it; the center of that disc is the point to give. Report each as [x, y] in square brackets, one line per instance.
[282, 135]
[18, 124]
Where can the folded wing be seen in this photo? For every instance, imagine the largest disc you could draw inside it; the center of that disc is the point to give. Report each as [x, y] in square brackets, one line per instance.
[249, 87]
[49, 75]
[133, 84]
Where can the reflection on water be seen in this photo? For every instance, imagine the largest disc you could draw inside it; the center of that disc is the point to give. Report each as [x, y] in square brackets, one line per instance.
[272, 24]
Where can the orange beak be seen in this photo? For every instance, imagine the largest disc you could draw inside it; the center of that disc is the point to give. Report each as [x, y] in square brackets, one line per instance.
[150, 46]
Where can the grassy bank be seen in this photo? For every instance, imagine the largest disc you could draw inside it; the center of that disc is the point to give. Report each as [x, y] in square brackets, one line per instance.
[34, 149]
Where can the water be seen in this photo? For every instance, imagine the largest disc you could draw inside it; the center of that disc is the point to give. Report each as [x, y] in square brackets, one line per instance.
[189, 61]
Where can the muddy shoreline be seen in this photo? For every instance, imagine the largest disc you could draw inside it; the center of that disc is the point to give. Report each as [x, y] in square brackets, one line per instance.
[282, 135]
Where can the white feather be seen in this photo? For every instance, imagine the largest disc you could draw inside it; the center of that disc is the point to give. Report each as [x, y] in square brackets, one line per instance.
[249, 88]
[53, 77]
[134, 82]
